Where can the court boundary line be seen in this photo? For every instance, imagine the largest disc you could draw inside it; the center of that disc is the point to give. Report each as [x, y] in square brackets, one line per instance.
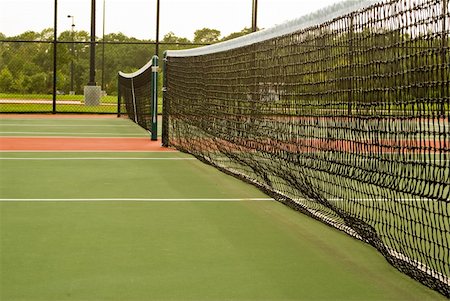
[68, 200]
[60, 116]
[142, 136]
[75, 134]
[94, 158]
[88, 151]
[63, 125]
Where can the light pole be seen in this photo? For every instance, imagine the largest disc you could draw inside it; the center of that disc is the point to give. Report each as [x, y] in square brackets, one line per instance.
[92, 47]
[157, 29]
[72, 91]
[254, 15]
[92, 92]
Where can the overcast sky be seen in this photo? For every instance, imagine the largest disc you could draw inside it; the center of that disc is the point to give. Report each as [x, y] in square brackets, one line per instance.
[137, 18]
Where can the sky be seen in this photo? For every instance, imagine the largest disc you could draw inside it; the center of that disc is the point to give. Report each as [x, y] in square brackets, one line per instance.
[137, 18]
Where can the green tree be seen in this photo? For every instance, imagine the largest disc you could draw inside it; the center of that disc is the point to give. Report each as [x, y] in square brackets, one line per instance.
[20, 84]
[170, 37]
[46, 34]
[28, 36]
[40, 83]
[6, 80]
[241, 33]
[206, 36]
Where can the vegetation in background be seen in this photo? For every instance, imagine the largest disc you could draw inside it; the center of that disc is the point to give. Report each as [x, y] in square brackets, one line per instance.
[27, 67]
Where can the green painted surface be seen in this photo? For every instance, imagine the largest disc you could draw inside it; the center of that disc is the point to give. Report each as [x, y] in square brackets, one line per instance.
[166, 250]
[186, 251]
[105, 127]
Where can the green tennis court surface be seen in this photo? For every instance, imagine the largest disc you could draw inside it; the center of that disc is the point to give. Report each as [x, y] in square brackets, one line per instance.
[164, 226]
[79, 127]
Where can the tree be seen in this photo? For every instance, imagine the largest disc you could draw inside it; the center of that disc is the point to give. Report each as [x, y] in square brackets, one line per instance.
[6, 80]
[27, 67]
[40, 83]
[20, 84]
[47, 34]
[241, 33]
[170, 37]
[28, 36]
[206, 36]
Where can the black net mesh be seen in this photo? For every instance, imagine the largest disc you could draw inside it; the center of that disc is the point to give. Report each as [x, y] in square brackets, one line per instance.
[135, 94]
[346, 121]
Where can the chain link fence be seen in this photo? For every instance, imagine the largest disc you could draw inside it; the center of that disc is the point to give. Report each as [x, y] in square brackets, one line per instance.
[27, 77]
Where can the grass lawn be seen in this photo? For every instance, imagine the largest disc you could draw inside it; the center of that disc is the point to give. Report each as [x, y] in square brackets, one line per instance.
[108, 104]
[104, 99]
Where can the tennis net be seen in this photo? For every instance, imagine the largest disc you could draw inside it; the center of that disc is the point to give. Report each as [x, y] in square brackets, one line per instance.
[342, 114]
[138, 96]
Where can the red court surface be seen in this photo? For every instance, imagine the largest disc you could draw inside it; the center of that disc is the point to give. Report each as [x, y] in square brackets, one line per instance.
[80, 144]
[76, 143]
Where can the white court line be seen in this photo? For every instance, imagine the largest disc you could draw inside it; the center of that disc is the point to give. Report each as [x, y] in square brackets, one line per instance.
[65, 125]
[137, 200]
[71, 134]
[99, 158]
[171, 150]
[68, 119]
[79, 135]
[372, 200]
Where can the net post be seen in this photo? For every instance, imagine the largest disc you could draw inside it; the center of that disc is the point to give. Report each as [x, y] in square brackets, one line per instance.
[165, 109]
[154, 99]
[118, 96]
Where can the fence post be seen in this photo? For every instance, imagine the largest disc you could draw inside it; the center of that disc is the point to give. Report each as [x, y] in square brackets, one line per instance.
[55, 37]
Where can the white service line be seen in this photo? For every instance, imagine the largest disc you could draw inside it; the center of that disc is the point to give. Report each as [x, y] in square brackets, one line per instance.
[68, 119]
[137, 200]
[81, 134]
[98, 158]
[65, 125]
[87, 151]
